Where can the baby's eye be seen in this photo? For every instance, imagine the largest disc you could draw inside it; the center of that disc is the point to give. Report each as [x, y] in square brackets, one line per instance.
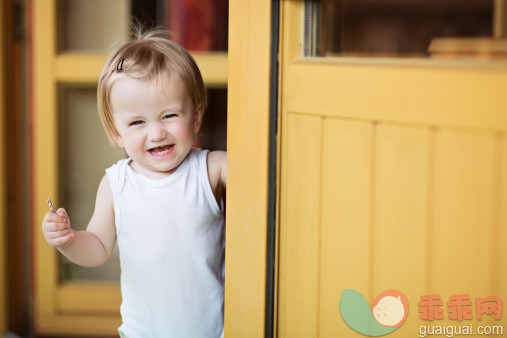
[168, 116]
[135, 123]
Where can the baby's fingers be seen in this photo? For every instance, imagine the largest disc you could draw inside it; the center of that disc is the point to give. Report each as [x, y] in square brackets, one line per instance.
[52, 217]
[62, 213]
[62, 241]
[54, 226]
[58, 234]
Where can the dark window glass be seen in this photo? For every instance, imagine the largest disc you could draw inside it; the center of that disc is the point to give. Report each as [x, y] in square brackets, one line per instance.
[391, 27]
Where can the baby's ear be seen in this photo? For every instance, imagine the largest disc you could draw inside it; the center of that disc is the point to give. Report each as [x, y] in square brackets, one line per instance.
[198, 113]
[119, 141]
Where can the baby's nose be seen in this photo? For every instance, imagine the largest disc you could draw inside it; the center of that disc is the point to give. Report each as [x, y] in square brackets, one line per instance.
[157, 132]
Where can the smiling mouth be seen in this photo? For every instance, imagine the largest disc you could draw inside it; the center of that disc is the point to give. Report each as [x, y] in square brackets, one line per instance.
[161, 151]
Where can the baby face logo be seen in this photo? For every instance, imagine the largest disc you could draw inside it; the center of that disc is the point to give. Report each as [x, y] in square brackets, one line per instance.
[387, 312]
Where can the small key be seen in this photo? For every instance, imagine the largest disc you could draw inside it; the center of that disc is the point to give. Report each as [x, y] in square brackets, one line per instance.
[51, 206]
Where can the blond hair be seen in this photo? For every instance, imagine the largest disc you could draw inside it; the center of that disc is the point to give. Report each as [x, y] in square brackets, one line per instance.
[148, 54]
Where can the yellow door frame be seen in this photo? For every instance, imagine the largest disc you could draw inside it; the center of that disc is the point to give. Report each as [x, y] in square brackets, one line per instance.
[247, 162]
[79, 308]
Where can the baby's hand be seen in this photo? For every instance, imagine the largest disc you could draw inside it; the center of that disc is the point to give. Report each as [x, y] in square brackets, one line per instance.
[56, 229]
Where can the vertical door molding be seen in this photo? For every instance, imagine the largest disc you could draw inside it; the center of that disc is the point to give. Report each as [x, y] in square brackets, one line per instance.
[44, 157]
[247, 162]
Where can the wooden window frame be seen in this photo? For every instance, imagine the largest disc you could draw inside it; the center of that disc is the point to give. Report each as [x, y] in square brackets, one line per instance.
[79, 308]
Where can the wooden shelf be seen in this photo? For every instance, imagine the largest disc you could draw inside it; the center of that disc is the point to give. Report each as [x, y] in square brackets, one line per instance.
[470, 48]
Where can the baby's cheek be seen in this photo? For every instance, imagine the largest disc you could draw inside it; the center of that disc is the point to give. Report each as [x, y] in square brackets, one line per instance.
[184, 131]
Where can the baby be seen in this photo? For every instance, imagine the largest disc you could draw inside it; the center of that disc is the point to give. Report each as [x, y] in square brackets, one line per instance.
[162, 204]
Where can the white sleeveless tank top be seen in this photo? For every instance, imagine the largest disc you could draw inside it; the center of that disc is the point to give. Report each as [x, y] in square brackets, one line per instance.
[170, 236]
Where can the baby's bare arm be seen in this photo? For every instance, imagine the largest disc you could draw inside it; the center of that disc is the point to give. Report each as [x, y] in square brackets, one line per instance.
[217, 171]
[217, 167]
[93, 246]
[223, 171]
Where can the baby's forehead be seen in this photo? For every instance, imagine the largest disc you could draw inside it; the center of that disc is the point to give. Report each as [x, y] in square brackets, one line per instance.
[132, 82]
[160, 79]
[133, 91]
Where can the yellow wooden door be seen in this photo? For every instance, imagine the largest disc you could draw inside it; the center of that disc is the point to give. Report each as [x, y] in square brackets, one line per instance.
[393, 175]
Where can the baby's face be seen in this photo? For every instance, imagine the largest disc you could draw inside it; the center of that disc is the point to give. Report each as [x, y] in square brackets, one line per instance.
[389, 311]
[156, 123]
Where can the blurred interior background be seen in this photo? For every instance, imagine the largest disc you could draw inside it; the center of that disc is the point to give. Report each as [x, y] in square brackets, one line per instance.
[81, 34]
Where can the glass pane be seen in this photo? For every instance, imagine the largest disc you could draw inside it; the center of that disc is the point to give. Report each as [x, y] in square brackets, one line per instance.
[85, 153]
[213, 133]
[392, 28]
[198, 25]
[92, 25]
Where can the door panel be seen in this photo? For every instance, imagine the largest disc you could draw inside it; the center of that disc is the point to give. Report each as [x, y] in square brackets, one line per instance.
[461, 249]
[399, 244]
[303, 191]
[421, 92]
[402, 163]
[345, 199]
